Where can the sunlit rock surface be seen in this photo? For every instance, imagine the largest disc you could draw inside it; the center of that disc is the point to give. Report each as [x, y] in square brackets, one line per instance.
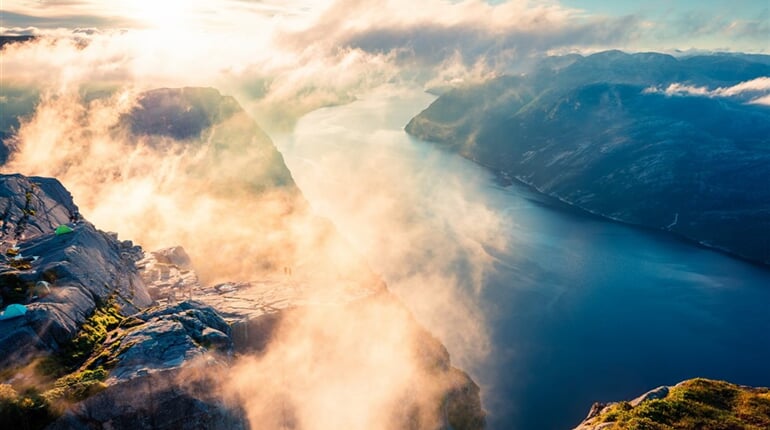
[166, 376]
[84, 267]
[32, 206]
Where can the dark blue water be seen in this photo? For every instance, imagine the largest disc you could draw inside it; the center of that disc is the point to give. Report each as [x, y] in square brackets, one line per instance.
[608, 312]
[578, 309]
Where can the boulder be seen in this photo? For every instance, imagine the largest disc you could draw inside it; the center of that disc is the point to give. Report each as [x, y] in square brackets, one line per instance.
[170, 336]
[168, 274]
[174, 255]
[657, 393]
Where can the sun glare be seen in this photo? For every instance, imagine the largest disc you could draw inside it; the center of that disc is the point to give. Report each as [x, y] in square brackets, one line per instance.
[164, 14]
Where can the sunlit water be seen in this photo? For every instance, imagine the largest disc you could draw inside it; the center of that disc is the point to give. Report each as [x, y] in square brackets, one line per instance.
[579, 309]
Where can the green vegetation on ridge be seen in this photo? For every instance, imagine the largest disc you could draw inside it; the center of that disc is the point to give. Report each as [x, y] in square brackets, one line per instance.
[696, 404]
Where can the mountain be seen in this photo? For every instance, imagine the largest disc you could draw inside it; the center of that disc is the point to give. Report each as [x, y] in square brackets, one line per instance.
[606, 133]
[184, 118]
[8, 40]
[15, 103]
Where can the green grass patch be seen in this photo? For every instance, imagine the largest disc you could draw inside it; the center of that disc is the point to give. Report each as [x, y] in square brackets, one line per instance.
[93, 333]
[76, 386]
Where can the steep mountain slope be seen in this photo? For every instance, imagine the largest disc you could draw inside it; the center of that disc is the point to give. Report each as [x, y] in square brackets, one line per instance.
[603, 134]
[239, 155]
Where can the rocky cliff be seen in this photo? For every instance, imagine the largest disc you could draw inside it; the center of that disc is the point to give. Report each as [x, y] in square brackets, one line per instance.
[647, 139]
[114, 337]
[85, 266]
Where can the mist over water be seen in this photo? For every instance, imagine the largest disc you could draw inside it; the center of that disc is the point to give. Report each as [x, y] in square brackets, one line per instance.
[409, 209]
[559, 309]
[547, 309]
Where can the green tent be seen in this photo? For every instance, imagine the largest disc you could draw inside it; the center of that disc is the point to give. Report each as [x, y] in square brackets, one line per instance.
[13, 311]
[63, 229]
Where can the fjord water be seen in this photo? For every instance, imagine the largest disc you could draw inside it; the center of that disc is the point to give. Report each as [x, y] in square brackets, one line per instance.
[578, 309]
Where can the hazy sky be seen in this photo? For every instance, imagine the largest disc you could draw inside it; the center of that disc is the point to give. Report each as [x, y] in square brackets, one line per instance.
[741, 25]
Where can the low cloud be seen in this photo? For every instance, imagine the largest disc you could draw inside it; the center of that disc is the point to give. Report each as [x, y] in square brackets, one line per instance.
[345, 367]
[283, 61]
[407, 211]
[328, 366]
[755, 91]
[215, 197]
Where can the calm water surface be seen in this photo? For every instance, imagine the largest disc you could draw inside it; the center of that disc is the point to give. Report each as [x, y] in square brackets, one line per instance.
[579, 309]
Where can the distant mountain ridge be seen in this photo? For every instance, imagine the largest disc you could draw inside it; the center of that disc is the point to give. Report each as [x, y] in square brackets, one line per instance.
[605, 134]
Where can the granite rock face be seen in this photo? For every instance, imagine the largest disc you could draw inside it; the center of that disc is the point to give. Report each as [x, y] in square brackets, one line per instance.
[85, 270]
[33, 206]
[170, 336]
[84, 267]
[166, 375]
[611, 134]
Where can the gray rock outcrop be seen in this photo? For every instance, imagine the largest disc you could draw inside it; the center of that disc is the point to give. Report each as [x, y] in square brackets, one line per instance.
[166, 377]
[30, 206]
[84, 268]
[693, 404]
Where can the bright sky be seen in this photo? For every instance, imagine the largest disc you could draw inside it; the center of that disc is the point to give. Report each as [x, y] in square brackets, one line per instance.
[660, 24]
[706, 24]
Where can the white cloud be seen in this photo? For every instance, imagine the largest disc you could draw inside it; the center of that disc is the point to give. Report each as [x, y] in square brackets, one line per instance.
[284, 59]
[763, 100]
[756, 90]
[761, 84]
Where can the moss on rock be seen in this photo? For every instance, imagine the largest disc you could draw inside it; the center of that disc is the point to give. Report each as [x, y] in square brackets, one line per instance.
[74, 373]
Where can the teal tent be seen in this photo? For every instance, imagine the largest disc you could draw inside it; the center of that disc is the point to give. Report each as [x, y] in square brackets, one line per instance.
[63, 229]
[13, 311]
